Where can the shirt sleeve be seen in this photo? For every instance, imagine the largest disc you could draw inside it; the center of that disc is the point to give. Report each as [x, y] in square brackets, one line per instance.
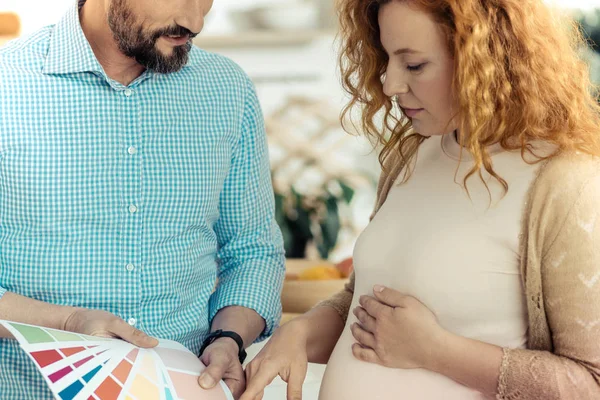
[251, 260]
[571, 296]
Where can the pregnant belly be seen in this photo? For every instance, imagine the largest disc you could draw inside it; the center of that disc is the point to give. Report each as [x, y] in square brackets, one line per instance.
[350, 379]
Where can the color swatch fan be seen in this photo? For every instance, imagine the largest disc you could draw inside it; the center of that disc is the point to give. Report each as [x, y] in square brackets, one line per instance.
[80, 367]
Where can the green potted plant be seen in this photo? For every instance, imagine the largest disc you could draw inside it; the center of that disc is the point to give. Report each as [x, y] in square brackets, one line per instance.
[315, 176]
[312, 218]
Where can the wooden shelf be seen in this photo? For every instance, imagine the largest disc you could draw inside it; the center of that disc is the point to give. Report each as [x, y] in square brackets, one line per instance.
[261, 39]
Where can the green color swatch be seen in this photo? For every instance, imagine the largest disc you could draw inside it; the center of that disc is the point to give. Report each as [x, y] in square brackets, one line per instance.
[96, 338]
[32, 334]
[62, 336]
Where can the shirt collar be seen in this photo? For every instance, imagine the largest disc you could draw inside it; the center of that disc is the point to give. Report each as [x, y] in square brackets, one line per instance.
[69, 50]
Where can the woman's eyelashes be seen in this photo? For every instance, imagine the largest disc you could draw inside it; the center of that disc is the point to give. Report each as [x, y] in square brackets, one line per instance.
[415, 67]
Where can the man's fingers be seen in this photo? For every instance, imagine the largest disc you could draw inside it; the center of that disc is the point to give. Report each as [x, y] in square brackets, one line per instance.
[213, 373]
[235, 386]
[134, 336]
[140, 339]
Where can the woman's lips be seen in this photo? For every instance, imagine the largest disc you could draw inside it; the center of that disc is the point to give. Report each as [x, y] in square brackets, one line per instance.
[412, 112]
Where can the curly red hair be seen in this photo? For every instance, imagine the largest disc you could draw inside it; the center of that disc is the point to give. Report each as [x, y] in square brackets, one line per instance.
[518, 78]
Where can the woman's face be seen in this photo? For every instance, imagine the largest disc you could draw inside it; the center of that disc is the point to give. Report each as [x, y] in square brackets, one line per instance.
[420, 67]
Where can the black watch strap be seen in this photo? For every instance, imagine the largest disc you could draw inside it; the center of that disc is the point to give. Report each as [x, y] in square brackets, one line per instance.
[229, 334]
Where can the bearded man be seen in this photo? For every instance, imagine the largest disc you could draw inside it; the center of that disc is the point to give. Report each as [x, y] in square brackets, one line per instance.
[135, 191]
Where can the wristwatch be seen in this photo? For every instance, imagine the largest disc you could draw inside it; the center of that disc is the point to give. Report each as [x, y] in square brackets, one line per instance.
[230, 334]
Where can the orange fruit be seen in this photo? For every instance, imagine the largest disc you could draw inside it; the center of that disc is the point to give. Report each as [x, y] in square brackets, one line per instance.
[346, 267]
[320, 272]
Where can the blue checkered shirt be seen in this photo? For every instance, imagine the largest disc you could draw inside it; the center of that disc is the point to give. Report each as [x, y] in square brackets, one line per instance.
[133, 200]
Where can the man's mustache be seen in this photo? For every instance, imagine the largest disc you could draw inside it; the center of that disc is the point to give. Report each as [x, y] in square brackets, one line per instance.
[176, 30]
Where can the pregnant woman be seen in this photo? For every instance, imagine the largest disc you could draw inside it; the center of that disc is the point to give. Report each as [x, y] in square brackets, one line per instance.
[479, 274]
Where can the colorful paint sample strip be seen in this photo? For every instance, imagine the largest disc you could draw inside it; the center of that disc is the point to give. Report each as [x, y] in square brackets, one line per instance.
[80, 367]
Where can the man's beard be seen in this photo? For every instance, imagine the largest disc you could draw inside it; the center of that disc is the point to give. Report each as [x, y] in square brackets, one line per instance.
[139, 44]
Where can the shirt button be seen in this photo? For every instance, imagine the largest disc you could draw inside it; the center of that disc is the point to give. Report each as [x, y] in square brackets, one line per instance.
[130, 267]
[133, 208]
[132, 150]
[128, 92]
[132, 321]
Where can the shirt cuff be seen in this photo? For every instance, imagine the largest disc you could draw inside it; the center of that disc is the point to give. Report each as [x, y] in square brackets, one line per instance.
[261, 294]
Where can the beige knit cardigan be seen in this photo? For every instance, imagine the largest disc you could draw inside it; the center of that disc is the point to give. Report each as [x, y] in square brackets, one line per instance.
[560, 267]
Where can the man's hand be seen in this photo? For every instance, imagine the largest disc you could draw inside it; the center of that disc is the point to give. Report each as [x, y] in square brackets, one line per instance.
[104, 324]
[222, 362]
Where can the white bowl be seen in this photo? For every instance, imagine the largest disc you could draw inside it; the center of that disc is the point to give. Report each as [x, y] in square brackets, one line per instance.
[287, 17]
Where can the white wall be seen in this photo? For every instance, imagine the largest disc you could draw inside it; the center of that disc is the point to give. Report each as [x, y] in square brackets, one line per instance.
[38, 13]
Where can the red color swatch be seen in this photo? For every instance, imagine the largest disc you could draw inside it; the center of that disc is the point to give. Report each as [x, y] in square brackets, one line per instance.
[46, 357]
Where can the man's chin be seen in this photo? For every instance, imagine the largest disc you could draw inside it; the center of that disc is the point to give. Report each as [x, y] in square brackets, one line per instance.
[163, 48]
[163, 60]
[166, 65]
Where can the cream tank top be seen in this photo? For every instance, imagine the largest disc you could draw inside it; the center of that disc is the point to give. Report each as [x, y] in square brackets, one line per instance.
[457, 255]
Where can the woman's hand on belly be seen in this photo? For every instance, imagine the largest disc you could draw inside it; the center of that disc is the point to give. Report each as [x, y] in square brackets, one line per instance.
[395, 331]
[398, 331]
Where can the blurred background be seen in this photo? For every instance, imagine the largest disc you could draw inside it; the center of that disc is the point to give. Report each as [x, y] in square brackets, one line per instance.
[324, 178]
